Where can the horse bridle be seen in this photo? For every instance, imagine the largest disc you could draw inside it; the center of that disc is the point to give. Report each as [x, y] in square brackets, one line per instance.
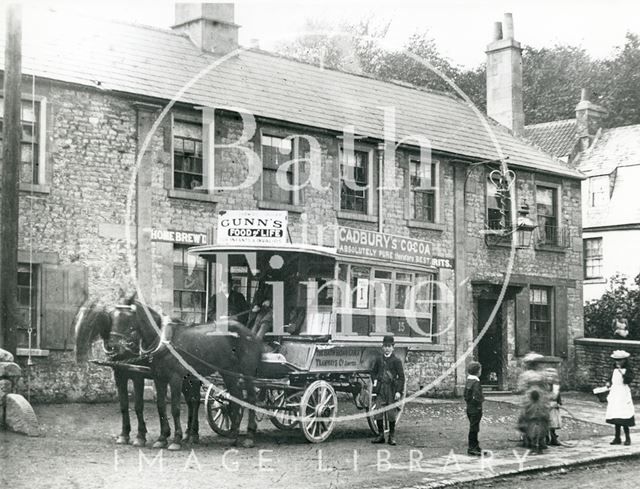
[155, 347]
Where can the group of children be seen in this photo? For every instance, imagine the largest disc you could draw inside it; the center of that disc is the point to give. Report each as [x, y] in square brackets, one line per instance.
[539, 418]
[540, 415]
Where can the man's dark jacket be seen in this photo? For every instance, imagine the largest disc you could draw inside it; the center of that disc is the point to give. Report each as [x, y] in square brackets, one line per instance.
[389, 373]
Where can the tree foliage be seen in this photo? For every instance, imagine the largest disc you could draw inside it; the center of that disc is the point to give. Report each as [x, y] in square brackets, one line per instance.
[599, 314]
[552, 80]
[552, 77]
[621, 84]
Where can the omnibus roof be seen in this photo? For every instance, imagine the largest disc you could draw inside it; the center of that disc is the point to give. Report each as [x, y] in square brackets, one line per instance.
[274, 248]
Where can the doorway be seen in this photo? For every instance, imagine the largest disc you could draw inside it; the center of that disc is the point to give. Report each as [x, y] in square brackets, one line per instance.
[490, 353]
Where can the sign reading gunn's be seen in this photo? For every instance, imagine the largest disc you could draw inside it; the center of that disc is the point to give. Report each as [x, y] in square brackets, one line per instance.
[252, 227]
[370, 244]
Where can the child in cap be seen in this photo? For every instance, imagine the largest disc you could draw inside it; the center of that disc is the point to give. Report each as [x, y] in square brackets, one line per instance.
[620, 410]
[474, 398]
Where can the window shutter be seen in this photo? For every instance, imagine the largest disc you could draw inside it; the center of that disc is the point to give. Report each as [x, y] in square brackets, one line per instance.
[64, 290]
[560, 321]
[523, 328]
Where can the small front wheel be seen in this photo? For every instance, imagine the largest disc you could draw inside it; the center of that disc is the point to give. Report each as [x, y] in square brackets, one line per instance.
[218, 406]
[318, 411]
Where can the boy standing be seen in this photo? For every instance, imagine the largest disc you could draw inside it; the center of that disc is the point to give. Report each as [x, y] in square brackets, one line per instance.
[474, 399]
[388, 383]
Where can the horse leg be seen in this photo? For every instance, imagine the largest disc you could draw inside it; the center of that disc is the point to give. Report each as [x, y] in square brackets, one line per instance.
[235, 409]
[165, 430]
[252, 426]
[191, 390]
[176, 394]
[138, 391]
[195, 405]
[123, 398]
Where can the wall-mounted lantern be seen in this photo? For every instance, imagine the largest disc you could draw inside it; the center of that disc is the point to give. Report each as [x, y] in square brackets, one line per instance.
[524, 227]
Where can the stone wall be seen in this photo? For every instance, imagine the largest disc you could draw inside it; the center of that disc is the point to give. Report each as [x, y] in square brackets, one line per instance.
[92, 142]
[58, 378]
[593, 365]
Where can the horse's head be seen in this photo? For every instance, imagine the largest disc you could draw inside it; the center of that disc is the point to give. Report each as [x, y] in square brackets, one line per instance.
[96, 321]
[137, 321]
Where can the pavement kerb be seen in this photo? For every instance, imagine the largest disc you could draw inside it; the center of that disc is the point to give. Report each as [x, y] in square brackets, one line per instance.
[453, 481]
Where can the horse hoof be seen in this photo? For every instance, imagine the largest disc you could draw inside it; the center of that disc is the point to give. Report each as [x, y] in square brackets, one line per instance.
[174, 447]
[234, 443]
[248, 443]
[122, 440]
[160, 444]
[195, 439]
[139, 442]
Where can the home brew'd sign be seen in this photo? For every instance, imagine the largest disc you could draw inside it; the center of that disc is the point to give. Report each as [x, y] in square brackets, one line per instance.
[181, 237]
[252, 227]
[371, 244]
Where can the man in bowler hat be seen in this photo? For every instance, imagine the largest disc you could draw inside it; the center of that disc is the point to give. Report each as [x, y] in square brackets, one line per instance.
[388, 383]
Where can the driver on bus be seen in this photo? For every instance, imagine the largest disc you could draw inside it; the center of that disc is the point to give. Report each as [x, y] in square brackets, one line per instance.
[237, 307]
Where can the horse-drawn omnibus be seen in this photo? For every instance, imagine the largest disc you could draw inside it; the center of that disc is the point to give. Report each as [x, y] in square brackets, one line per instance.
[328, 314]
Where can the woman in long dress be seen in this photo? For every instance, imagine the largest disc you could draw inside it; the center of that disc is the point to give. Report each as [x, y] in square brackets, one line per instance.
[620, 410]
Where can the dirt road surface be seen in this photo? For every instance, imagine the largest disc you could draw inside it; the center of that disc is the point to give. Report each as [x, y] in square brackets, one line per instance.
[621, 475]
[78, 450]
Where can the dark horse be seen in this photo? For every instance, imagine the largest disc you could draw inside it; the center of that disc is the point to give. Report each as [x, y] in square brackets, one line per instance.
[180, 353]
[95, 321]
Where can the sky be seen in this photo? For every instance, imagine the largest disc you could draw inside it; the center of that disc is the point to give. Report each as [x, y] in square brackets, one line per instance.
[461, 28]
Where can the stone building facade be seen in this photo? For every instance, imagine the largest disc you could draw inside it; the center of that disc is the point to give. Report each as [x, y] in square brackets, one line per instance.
[123, 150]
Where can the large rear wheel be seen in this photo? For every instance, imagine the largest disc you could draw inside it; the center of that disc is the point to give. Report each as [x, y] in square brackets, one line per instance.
[288, 407]
[373, 405]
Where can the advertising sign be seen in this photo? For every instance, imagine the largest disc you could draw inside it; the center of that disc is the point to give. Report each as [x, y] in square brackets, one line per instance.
[402, 249]
[252, 227]
[181, 237]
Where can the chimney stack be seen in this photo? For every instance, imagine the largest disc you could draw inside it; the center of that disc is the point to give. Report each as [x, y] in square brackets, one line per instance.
[589, 118]
[504, 77]
[209, 25]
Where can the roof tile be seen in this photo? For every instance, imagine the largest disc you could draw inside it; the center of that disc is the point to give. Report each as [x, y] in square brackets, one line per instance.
[165, 65]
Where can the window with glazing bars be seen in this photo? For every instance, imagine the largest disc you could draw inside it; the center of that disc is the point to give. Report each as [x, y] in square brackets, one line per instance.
[27, 306]
[354, 185]
[189, 281]
[593, 258]
[546, 205]
[423, 191]
[540, 320]
[498, 207]
[29, 147]
[188, 170]
[275, 151]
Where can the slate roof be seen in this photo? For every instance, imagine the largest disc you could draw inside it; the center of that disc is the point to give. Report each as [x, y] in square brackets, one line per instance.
[611, 149]
[614, 152]
[160, 63]
[557, 138]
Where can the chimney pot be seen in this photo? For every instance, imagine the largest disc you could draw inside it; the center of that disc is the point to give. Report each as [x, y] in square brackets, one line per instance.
[497, 31]
[585, 95]
[504, 77]
[508, 26]
[210, 26]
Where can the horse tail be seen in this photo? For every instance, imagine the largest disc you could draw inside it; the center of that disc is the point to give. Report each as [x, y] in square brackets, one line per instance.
[87, 324]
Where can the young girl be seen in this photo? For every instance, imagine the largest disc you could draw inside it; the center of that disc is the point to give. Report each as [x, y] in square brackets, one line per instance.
[620, 411]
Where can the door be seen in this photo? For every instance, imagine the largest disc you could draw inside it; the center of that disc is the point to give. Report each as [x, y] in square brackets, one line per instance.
[490, 345]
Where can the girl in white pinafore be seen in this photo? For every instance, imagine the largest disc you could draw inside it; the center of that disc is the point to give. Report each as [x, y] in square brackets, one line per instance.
[620, 411]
